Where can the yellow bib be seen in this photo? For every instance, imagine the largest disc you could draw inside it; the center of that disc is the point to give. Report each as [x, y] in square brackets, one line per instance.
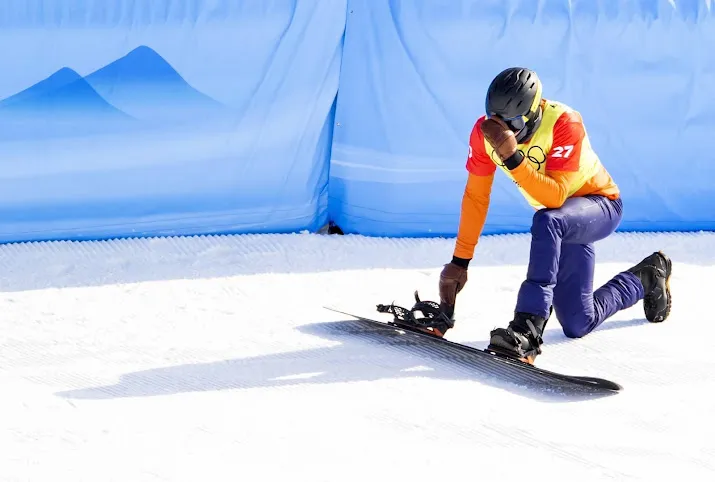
[541, 144]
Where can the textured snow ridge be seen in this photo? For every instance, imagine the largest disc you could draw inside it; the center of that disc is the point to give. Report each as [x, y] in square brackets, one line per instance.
[144, 259]
[211, 358]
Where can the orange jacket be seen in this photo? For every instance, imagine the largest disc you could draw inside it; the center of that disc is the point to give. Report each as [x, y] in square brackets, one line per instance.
[559, 164]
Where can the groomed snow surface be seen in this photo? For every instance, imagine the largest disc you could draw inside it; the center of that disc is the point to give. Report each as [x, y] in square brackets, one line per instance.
[212, 359]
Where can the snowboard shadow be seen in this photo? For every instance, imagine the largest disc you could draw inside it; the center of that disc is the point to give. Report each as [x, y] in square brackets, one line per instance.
[360, 355]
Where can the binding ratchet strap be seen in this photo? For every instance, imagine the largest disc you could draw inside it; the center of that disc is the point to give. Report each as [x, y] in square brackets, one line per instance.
[432, 314]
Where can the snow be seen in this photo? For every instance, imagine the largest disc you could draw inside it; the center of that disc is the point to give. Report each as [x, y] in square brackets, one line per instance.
[212, 359]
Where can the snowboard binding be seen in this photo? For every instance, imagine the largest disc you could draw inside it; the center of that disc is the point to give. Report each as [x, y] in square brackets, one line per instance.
[433, 320]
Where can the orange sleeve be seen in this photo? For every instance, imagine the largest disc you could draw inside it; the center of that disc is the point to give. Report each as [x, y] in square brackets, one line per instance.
[562, 164]
[475, 204]
[478, 162]
[551, 191]
[475, 201]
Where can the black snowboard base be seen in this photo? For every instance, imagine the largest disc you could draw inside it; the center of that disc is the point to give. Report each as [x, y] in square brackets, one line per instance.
[498, 365]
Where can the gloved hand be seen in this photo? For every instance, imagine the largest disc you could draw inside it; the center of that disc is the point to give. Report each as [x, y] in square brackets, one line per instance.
[503, 140]
[451, 281]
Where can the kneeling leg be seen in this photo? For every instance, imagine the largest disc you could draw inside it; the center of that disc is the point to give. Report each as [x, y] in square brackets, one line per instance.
[579, 309]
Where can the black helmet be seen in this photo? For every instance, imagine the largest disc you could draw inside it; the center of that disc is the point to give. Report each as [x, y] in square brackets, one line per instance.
[514, 96]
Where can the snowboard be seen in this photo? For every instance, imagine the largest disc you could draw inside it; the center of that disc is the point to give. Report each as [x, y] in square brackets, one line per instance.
[491, 363]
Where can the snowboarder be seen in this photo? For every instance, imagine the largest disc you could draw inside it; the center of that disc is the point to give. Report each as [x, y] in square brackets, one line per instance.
[543, 147]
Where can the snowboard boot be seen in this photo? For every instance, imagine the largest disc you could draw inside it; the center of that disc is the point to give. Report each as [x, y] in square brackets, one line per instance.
[654, 273]
[521, 339]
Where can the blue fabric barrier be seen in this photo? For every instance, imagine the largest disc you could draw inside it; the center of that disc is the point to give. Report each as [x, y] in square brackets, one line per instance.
[413, 81]
[165, 117]
[170, 117]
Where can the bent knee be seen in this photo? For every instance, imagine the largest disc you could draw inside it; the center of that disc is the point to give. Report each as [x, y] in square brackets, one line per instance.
[576, 327]
[546, 221]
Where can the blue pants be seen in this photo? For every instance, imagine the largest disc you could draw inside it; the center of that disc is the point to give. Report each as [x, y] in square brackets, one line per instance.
[561, 266]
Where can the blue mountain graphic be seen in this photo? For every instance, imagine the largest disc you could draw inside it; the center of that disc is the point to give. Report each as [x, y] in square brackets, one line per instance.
[63, 94]
[139, 91]
[147, 87]
[62, 105]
